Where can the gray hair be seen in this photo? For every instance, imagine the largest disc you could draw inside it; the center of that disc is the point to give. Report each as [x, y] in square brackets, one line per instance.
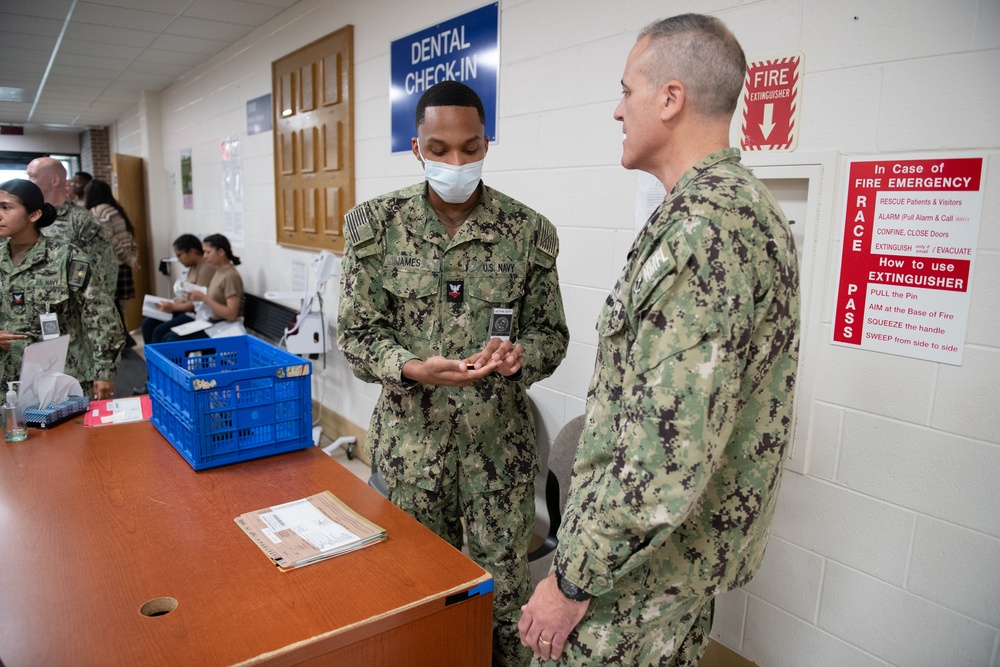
[700, 52]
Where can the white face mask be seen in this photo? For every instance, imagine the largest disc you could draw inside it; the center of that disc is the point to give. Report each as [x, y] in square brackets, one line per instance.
[453, 184]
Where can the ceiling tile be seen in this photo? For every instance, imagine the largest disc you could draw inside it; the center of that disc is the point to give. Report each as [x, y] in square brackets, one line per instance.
[49, 9]
[32, 25]
[207, 47]
[110, 37]
[20, 41]
[120, 17]
[84, 48]
[206, 29]
[172, 58]
[112, 52]
[232, 11]
[173, 7]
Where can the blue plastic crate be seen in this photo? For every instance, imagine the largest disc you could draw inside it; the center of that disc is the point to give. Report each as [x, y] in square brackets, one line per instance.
[224, 400]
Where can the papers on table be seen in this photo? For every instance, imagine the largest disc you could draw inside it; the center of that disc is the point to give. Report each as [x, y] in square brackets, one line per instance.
[191, 327]
[118, 411]
[308, 530]
[225, 329]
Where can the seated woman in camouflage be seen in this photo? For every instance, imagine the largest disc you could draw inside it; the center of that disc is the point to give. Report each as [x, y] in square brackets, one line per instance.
[44, 275]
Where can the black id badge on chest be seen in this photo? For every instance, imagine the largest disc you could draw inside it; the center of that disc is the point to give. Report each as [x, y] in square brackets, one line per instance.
[501, 321]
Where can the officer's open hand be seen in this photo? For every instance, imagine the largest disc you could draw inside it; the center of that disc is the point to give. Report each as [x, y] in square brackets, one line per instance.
[505, 354]
[446, 372]
[6, 337]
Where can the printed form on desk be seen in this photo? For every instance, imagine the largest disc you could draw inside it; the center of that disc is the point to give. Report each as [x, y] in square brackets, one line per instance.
[308, 530]
[118, 411]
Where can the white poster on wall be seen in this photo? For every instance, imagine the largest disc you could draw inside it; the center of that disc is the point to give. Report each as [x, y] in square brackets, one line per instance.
[232, 192]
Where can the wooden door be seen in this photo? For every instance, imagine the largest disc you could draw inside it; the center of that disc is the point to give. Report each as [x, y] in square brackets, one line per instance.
[129, 186]
[313, 93]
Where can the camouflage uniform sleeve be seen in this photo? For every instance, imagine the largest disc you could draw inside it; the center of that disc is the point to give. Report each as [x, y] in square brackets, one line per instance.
[542, 321]
[364, 325]
[93, 238]
[100, 317]
[680, 394]
[108, 261]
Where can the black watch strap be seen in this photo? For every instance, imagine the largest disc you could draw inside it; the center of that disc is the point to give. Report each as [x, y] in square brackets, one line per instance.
[571, 590]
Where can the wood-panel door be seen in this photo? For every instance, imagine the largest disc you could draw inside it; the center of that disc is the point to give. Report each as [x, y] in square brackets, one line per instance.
[128, 183]
[313, 93]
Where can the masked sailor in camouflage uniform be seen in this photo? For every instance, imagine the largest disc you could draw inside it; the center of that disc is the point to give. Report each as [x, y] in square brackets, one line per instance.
[690, 405]
[41, 275]
[437, 276]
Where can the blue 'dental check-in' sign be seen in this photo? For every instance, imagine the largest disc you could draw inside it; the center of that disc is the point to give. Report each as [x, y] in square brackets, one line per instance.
[465, 48]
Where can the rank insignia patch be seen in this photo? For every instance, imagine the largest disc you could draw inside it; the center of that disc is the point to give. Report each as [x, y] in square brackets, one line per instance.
[455, 291]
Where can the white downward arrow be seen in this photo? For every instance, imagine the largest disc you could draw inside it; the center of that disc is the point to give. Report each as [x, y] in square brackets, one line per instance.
[767, 125]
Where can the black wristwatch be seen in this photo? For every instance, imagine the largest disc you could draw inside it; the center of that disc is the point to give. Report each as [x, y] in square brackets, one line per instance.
[571, 590]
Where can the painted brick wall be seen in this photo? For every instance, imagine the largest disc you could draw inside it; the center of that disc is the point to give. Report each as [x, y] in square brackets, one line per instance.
[887, 551]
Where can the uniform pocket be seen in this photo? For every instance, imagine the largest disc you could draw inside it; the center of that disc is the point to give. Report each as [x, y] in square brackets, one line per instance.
[612, 317]
[47, 296]
[486, 291]
[499, 289]
[413, 299]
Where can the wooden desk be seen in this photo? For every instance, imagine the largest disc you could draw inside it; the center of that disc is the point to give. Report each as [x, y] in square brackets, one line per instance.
[95, 522]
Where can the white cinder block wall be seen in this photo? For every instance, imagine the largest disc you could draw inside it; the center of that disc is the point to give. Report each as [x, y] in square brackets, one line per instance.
[887, 551]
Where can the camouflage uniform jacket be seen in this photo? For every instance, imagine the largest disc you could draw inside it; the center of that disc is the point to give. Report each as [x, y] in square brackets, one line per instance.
[77, 226]
[399, 267]
[54, 277]
[690, 405]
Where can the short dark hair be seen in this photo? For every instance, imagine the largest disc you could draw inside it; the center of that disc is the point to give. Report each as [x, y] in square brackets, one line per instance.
[85, 176]
[188, 243]
[449, 94]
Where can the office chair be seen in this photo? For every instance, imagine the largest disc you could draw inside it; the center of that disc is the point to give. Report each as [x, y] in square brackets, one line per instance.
[560, 470]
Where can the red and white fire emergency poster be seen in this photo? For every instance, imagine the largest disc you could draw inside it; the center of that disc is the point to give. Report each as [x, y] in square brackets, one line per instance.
[910, 232]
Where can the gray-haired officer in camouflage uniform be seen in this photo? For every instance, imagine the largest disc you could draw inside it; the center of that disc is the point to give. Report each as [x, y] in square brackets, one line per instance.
[436, 277]
[690, 406]
[42, 275]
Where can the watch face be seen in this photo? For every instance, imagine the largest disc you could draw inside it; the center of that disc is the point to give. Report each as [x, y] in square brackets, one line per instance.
[571, 590]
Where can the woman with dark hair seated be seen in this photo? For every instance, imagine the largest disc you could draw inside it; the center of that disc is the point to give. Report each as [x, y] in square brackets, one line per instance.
[188, 250]
[48, 277]
[224, 298]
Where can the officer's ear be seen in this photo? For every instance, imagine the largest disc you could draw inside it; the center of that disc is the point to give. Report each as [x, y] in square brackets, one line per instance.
[671, 99]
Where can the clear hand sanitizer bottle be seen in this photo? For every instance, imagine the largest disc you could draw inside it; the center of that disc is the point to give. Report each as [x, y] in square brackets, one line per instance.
[14, 429]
